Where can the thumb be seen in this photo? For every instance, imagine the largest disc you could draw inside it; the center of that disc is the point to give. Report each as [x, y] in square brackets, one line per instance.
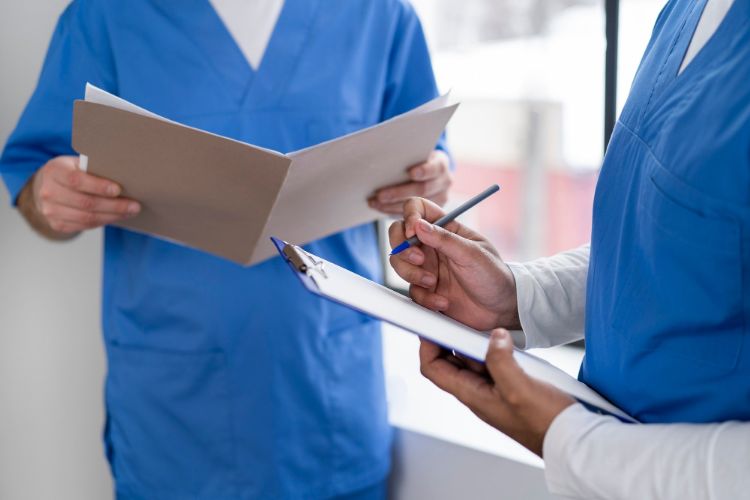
[453, 246]
[505, 371]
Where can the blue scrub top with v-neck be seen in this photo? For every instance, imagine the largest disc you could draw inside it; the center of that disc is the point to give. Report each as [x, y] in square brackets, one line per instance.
[223, 381]
[668, 306]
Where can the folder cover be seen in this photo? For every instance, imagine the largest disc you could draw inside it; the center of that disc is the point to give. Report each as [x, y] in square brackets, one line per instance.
[227, 197]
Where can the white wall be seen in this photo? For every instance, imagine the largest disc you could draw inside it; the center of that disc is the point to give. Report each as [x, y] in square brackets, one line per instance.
[51, 358]
[426, 468]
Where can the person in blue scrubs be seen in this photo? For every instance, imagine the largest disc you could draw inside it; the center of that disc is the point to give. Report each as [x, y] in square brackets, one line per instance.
[227, 382]
[661, 293]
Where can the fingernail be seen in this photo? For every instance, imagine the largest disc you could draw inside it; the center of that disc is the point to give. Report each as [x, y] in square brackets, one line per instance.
[384, 197]
[133, 208]
[428, 280]
[413, 258]
[426, 226]
[113, 190]
[417, 173]
[501, 337]
[441, 303]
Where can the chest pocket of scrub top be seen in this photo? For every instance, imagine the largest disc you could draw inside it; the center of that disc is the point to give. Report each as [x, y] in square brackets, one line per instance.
[683, 295]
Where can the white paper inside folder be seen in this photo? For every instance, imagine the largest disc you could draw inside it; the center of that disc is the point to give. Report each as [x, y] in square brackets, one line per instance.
[354, 291]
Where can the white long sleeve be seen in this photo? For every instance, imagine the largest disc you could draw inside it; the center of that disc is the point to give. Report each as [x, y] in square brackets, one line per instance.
[591, 456]
[552, 297]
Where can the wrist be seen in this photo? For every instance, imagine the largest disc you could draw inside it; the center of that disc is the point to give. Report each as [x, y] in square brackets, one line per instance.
[28, 207]
[508, 316]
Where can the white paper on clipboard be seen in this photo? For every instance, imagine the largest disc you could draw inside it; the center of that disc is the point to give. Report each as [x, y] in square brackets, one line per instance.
[349, 289]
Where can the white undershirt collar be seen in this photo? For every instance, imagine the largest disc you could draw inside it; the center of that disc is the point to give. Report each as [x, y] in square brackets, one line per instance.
[251, 24]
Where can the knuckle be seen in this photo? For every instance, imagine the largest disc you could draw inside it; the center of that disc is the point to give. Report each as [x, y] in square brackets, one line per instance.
[494, 357]
[75, 179]
[90, 218]
[45, 193]
[393, 230]
[86, 203]
[122, 206]
[414, 275]
[47, 210]
[443, 236]
[462, 394]
[400, 268]
[513, 398]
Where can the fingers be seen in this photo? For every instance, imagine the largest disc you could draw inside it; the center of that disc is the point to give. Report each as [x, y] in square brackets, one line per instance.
[400, 193]
[396, 236]
[469, 387]
[427, 298]
[436, 369]
[68, 175]
[510, 379]
[413, 274]
[430, 179]
[91, 203]
[457, 248]
[71, 220]
[437, 165]
[70, 200]
[416, 209]
[475, 365]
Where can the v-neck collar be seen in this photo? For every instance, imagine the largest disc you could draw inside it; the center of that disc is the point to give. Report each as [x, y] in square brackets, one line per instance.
[284, 49]
[730, 25]
[669, 76]
[245, 86]
[202, 26]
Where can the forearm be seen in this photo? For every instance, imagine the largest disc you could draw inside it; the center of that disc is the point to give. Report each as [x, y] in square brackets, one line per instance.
[551, 295]
[28, 208]
[592, 456]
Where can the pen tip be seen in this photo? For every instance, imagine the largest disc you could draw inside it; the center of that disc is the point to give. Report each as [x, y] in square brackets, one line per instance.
[403, 246]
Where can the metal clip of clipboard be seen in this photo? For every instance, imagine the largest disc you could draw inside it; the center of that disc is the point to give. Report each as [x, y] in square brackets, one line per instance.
[303, 261]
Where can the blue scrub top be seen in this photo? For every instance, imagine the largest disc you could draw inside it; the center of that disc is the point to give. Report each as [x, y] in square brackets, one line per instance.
[223, 381]
[668, 307]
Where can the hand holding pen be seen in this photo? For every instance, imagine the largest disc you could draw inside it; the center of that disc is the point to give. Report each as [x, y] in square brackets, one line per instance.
[454, 269]
[450, 216]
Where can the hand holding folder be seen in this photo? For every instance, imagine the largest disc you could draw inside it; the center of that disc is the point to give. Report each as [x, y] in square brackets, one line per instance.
[227, 197]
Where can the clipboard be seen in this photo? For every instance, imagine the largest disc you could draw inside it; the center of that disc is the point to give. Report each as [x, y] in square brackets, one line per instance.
[344, 287]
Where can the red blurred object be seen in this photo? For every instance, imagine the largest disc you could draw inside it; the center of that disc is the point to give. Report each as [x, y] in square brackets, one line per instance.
[567, 214]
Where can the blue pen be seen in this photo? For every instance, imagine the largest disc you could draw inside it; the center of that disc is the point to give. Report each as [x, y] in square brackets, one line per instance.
[445, 219]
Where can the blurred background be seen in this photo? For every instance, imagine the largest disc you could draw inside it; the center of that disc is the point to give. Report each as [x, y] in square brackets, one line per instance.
[530, 76]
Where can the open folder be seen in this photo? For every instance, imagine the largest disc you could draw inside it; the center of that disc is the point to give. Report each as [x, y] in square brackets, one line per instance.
[227, 197]
[351, 290]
